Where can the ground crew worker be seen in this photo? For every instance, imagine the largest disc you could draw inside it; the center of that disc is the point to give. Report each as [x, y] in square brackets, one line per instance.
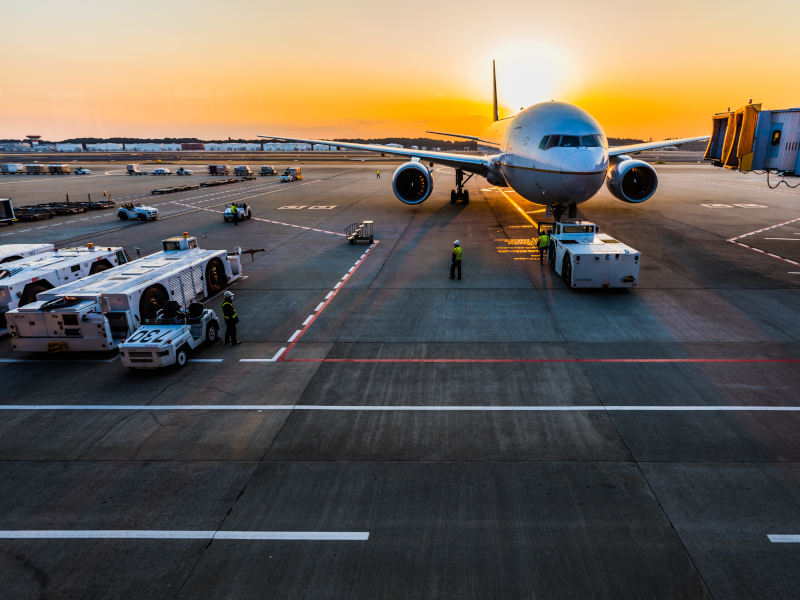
[378, 174]
[544, 242]
[231, 319]
[235, 214]
[455, 262]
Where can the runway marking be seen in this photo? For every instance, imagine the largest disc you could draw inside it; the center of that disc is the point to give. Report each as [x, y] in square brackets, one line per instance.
[778, 538]
[392, 408]
[328, 299]
[519, 209]
[57, 362]
[308, 318]
[735, 240]
[206, 360]
[550, 360]
[273, 359]
[166, 534]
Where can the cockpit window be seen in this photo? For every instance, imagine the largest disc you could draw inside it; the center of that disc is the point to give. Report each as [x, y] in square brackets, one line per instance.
[589, 141]
[543, 143]
[569, 141]
[553, 141]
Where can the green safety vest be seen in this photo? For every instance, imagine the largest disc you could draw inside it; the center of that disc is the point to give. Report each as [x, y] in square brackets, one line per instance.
[544, 240]
[229, 303]
[457, 253]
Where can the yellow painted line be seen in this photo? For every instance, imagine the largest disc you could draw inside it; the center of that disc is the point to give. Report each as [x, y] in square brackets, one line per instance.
[517, 206]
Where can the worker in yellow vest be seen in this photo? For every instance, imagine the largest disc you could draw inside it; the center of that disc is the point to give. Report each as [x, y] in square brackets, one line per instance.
[455, 262]
[543, 243]
[231, 318]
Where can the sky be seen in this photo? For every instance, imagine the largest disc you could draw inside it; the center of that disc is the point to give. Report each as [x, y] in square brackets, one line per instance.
[310, 68]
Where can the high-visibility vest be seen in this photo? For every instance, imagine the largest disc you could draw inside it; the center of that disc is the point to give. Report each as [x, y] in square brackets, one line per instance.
[544, 240]
[457, 253]
[229, 303]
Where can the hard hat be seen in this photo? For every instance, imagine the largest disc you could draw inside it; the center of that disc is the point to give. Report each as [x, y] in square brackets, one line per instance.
[228, 294]
[457, 243]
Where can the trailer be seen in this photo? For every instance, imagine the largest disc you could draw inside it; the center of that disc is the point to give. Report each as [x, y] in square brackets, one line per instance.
[6, 211]
[586, 258]
[99, 312]
[242, 170]
[59, 169]
[21, 280]
[11, 252]
[134, 170]
[35, 170]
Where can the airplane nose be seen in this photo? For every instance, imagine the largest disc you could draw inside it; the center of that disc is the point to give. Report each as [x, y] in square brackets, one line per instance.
[583, 171]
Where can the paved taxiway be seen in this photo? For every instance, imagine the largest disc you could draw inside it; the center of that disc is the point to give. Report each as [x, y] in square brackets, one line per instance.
[500, 436]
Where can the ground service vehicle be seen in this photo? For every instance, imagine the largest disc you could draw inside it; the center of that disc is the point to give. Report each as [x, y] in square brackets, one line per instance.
[160, 171]
[6, 211]
[586, 258]
[218, 169]
[11, 169]
[135, 170]
[170, 337]
[242, 170]
[291, 174]
[21, 280]
[267, 171]
[129, 210]
[99, 312]
[182, 171]
[243, 210]
[9, 252]
[82, 171]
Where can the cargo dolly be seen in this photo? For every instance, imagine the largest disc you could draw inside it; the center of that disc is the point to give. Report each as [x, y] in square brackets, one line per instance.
[359, 232]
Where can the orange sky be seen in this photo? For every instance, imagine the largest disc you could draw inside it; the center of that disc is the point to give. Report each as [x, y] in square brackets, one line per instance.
[350, 69]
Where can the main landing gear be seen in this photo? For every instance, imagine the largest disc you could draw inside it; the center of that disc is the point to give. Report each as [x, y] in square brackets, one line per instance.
[460, 194]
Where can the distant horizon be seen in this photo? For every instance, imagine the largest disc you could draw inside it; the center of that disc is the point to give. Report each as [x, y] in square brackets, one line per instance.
[354, 69]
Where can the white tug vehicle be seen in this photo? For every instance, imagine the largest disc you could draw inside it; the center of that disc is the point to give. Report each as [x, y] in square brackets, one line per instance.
[97, 313]
[168, 339]
[243, 211]
[9, 252]
[586, 258]
[129, 210]
[23, 279]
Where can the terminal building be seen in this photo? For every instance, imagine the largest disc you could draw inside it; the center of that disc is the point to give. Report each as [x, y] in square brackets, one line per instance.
[751, 139]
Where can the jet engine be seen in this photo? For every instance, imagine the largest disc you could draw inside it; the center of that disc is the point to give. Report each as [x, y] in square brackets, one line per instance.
[412, 183]
[632, 180]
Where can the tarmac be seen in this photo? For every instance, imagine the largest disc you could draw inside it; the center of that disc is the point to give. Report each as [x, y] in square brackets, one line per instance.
[386, 432]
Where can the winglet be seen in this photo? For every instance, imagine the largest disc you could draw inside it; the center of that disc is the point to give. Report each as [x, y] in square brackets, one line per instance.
[495, 115]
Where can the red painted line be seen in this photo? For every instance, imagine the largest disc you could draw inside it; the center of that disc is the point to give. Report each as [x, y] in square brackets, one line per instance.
[546, 360]
[734, 240]
[336, 290]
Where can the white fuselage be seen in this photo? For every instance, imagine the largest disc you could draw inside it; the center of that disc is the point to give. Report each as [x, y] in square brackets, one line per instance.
[568, 167]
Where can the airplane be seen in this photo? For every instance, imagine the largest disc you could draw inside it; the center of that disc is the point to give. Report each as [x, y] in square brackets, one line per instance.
[552, 153]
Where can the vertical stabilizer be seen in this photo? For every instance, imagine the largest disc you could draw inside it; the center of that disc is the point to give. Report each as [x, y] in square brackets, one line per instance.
[495, 115]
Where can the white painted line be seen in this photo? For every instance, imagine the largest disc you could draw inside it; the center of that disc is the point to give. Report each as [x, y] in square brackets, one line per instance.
[206, 360]
[328, 295]
[777, 538]
[319, 306]
[308, 319]
[57, 362]
[254, 360]
[278, 353]
[294, 335]
[385, 408]
[166, 534]
[336, 287]
[42, 227]
[351, 269]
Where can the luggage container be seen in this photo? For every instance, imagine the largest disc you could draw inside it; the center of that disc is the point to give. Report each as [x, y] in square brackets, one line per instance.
[242, 171]
[35, 170]
[6, 211]
[97, 313]
[59, 169]
[11, 169]
[218, 169]
[21, 280]
[134, 170]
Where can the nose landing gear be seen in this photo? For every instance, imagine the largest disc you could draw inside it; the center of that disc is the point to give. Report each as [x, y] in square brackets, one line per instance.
[460, 194]
[558, 211]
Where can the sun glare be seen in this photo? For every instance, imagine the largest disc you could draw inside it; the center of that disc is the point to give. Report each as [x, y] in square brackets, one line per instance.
[532, 72]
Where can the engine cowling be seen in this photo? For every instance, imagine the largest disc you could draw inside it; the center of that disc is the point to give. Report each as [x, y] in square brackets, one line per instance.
[632, 180]
[412, 183]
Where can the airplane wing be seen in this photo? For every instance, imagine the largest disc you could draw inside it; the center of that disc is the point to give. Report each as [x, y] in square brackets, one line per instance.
[466, 162]
[616, 150]
[460, 135]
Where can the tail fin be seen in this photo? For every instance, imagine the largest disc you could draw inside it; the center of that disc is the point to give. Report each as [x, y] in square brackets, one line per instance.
[495, 115]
